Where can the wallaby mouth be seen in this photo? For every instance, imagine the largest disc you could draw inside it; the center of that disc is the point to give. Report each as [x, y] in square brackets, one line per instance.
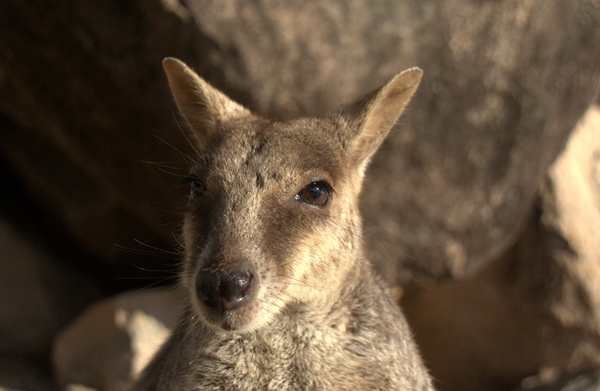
[224, 295]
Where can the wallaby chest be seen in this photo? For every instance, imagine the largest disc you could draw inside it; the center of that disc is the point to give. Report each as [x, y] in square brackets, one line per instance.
[303, 349]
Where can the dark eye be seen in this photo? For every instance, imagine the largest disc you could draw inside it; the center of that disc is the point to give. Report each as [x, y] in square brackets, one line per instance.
[316, 193]
[197, 186]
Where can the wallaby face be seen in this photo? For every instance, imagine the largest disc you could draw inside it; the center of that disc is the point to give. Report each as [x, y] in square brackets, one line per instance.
[273, 213]
[272, 219]
[281, 295]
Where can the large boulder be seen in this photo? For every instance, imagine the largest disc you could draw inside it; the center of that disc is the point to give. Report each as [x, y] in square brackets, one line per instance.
[535, 310]
[38, 295]
[83, 103]
[19, 374]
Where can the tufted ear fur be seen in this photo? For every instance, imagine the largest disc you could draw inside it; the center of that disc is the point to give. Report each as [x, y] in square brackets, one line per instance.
[203, 106]
[371, 118]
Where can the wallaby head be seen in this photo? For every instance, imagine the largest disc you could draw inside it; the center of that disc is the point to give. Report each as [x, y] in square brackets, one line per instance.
[273, 214]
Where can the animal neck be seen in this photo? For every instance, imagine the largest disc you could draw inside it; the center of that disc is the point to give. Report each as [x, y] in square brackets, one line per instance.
[326, 303]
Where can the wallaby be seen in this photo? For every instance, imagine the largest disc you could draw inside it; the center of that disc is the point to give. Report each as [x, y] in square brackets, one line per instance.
[281, 296]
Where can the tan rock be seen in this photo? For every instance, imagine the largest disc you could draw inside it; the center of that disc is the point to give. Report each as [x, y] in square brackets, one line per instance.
[110, 343]
[537, 308]
[571, 204]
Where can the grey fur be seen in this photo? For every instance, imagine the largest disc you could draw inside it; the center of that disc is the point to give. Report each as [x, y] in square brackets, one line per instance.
[318, 318]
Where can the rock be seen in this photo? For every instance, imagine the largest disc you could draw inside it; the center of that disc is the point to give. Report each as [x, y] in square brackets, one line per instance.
[83, 98]
[38, 295]
[537, 306]
[111, 342]
[19, 374]
[571, 210]
[584, 381]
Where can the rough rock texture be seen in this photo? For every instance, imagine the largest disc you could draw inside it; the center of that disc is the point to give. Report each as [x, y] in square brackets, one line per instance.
[83, 99]
[536, 307]
[38, 295]
[111, 342]
[571, 205]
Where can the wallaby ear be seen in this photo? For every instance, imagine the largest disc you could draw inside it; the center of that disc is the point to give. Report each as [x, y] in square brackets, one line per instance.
[203, 106]
[372, 117]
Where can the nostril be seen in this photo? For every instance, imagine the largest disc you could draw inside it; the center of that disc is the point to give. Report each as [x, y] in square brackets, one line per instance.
[235, 289]
[207, 287]
[235, 284]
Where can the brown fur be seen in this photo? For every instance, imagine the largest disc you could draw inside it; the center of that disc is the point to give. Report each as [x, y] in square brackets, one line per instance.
[318, 318]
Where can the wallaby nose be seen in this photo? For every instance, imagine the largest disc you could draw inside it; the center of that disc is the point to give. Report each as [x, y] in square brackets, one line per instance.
[224, 291]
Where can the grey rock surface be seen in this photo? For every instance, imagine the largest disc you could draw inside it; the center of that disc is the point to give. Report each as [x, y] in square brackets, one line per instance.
[537, 306]
[38, 295]
[582, 381]
[19, 374]
[83, 99]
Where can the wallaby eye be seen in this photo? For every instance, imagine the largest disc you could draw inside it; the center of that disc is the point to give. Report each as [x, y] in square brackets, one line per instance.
[198, 189]
[317, 193]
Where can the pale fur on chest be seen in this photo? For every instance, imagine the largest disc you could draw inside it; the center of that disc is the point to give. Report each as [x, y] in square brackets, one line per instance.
[341, 345]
